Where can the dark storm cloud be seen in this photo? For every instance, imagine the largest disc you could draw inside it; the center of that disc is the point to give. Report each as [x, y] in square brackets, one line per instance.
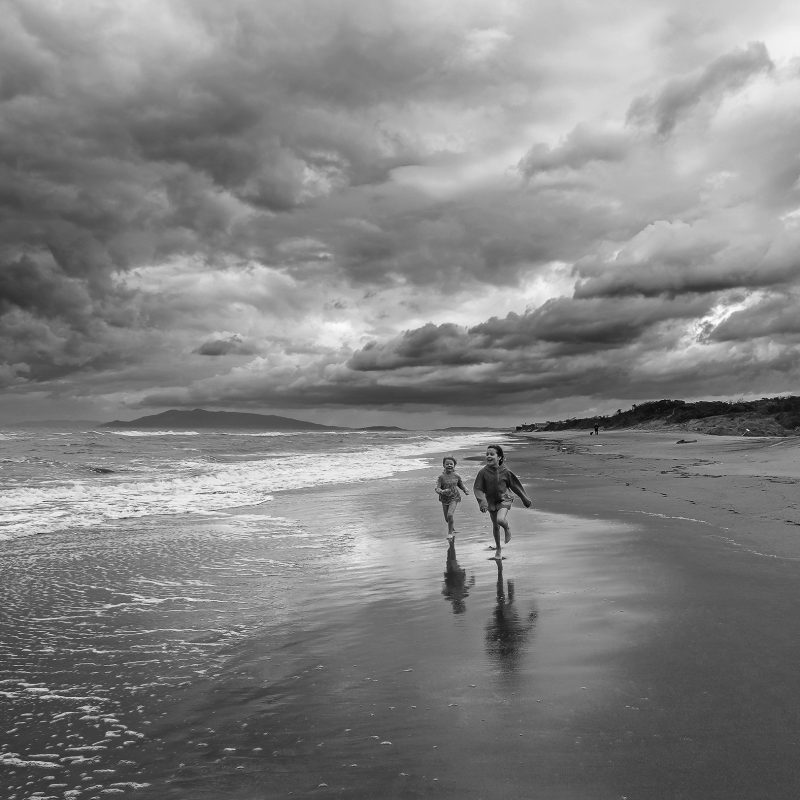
[583, 325]
[561, 326]
[428, 345]
[238, 118]
[359, 67]
[40, 288]
[493, 237]
[484, 387]
[45, 349]
[118, 152]
[415, 389]
[582, 146]
[141, 134]
[503, 361]
[672, 258]
[773, 315]
[725, 74]
[230, 345]
[51, 324]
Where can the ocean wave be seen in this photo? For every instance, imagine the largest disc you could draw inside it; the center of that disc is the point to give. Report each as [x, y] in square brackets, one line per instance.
[65, 496]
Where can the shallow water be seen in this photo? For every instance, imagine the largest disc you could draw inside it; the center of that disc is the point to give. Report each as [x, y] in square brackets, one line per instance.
[100, 632]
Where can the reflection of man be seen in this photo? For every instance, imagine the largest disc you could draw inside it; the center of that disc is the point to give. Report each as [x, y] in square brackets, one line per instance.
[507, 631]
[455, 581]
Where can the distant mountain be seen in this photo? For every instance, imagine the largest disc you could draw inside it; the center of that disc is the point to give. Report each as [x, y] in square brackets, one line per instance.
[382, 428]
[471, 428]
[227, 420]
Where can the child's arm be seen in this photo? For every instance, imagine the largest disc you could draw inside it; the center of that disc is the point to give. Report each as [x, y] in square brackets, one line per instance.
[479, 490]
[438, 489]
[516, 486]
[461, 486]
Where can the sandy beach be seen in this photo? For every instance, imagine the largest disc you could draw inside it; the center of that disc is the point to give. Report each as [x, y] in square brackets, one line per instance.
[639, 640]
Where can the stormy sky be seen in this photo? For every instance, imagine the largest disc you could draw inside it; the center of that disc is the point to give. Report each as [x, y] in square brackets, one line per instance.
[412, 212]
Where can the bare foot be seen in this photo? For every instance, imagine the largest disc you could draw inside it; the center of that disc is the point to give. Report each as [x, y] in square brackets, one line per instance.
[508, 535]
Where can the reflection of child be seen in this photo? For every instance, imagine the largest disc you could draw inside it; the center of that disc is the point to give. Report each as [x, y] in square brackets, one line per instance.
[507, 630]
[493, 486]
[456, 588]
[447, 486]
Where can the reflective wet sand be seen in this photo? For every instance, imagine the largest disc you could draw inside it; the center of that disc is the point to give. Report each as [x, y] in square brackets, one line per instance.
[344, 650]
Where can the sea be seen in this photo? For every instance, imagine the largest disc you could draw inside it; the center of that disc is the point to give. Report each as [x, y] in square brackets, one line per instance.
[59, 479]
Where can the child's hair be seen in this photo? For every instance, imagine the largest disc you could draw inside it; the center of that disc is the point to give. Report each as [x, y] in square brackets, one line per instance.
[500, 457]
[449, 458]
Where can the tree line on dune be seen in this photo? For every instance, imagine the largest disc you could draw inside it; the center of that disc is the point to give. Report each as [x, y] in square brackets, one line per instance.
[769, 416]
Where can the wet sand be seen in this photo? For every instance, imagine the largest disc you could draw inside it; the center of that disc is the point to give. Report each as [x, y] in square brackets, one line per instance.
[718, 522]
[639, 640]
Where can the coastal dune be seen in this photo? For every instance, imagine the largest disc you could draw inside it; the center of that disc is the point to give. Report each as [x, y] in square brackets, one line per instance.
[639, 640]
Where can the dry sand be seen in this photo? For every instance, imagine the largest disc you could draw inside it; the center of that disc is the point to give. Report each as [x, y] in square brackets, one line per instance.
[744, 488]
[640, 640]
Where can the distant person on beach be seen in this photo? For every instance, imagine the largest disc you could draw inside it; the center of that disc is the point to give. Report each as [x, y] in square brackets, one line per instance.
[596, 430]
[493, 487]
[447, 487]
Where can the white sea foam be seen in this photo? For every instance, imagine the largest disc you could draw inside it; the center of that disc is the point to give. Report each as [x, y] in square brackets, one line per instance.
[157, 478]
[153, 433]
[667, 516]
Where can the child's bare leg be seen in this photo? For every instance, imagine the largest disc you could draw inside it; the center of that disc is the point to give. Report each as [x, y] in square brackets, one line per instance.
[495, 532]
[447, 519]
[451, 519]
[502, 513]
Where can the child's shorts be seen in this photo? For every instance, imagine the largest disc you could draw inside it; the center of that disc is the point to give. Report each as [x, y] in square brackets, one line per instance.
[450, 508]
[504, 503]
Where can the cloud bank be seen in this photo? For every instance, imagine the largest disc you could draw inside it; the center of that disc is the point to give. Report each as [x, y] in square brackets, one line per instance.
[396, 212]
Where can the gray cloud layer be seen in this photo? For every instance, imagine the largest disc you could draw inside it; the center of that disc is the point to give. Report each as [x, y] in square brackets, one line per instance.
[327, 206]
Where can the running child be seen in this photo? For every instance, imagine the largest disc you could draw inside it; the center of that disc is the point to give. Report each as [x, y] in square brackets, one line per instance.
[447, 486]
[493, 486]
